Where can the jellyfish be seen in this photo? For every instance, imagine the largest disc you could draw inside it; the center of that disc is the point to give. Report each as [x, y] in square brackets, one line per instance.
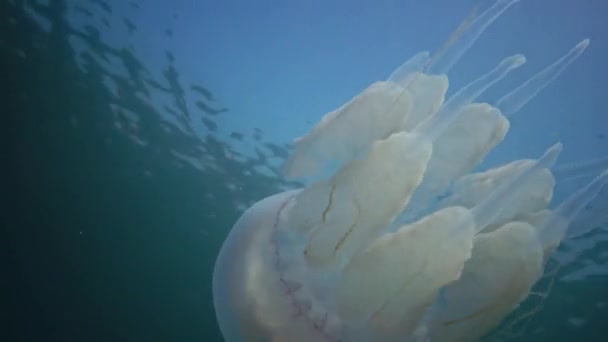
[406, 240]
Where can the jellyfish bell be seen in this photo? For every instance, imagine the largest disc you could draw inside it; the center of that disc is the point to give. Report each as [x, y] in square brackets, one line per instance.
[368, 254]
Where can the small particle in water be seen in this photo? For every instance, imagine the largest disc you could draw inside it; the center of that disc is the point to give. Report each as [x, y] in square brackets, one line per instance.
[237, 136]
[576, 321]
[80, 232]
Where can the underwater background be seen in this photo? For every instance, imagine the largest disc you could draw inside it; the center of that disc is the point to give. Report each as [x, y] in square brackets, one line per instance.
[139, 131]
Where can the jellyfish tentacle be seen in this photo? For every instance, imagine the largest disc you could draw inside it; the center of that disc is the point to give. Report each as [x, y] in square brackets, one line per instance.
[403, 74]
[449, 129]
[558, 222]
[428, 90]
[457, 152]
[452, 54]
[435, 125]
[380, 98]
[578, 170]
[444, 167]
[512, 102]
[491, 206]
[531, 196]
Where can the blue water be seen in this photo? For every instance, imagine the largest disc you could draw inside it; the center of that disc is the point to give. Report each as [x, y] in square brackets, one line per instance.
[139, 131]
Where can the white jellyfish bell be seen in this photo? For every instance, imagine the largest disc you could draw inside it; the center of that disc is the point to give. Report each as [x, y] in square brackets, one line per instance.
[369, 254]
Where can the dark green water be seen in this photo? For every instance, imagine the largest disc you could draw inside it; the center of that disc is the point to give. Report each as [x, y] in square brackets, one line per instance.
[112, 240]
[108, 240]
